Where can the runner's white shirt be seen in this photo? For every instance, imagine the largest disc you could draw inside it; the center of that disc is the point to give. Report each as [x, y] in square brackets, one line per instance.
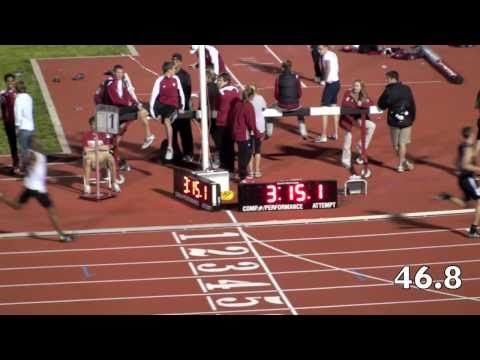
[37, 176]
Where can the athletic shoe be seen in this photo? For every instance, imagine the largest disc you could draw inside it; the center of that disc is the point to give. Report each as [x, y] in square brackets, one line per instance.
[65, 238]
[116, 187]
[246, 181]
[124, 166]
[188, 158]
[473, 232]
[303, 131]
[148, 141]
[346, 165]
[87, 189]
[258, 174]
[249, 177]
[318, 79]
[321, 139]
[443, 196]
[408, 166]
[359, 161]
[333, 137]
[169, 154]
[400, 169]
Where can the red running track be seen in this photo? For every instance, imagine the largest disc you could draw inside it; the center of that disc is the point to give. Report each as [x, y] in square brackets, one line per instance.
[168, 283]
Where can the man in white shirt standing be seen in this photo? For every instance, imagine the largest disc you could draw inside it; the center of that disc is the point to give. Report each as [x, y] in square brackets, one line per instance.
[24, 121]
[329, 64]
[35, 186]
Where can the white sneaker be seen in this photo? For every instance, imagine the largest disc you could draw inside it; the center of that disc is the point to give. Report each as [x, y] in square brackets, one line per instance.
[188, 158]
[169, 154]
[408, 166]
[359, 161]
[321, 139]
[400, 169]
[303, 131]
[116, 187]
[148, 141]
[317, 79]
[346, 165]
[87, 189]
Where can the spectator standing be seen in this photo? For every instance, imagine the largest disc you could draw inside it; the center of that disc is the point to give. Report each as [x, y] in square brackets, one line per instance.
[330, 68]
[259, 105]
[398, 99]
[228, 95]
[24, 121]
[288, 91]
[7, 101]
[184, 126]
[244, 124]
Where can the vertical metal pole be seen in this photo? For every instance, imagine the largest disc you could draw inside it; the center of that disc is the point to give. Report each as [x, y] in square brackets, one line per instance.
[97, 166]
[363, 135]
[203, 107]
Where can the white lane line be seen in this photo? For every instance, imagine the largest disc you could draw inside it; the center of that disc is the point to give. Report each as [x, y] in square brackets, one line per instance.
[383, 303]
[194, 271]
[222, 312]
[139, 63]
[286, 255]
[163, 296]
[280, 60]
[48, 177]
[133, 50]
[239, 83]
[269, 223]
[146, 297]
[52, 111]
[352, 272]
[259, 258]
[133, 247]
[189, 277]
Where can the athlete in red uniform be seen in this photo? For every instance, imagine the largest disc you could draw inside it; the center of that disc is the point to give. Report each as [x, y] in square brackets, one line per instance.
[166, 100]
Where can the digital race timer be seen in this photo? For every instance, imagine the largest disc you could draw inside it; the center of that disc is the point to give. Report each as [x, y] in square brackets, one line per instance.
[196, 190]
[288, 195]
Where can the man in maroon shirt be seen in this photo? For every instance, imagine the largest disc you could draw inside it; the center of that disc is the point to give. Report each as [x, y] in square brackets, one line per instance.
[228, 95]
[7, 100]
[122, 94]
[105, 158]
[244, 124]
[166, 100]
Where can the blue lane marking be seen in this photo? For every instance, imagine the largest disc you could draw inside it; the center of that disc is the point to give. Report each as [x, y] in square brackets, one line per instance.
[358, 275]
[86, 272]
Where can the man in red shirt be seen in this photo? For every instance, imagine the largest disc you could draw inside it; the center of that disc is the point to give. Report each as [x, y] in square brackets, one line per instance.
[105, 158]
[166, 100]
[213, 59]
[122, 94]
[7, 100]
[228, 95]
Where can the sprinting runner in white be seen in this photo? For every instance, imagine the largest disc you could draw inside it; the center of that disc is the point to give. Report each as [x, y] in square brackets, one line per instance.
[35, 186]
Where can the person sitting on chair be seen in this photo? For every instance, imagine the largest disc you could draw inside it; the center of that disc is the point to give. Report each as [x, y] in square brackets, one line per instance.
[121, 93]
[288, 92]
[355, 98]
[105, 158]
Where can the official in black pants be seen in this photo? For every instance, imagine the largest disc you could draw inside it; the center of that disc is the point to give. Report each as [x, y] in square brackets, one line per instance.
[7, 100]
[316, 57]
[183, 126]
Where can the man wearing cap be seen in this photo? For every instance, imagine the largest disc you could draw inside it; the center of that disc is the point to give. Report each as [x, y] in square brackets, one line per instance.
[183, 126]
[212, 59]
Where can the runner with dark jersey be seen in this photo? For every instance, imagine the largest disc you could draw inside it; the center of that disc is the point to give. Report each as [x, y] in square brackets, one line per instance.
[467, 170]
